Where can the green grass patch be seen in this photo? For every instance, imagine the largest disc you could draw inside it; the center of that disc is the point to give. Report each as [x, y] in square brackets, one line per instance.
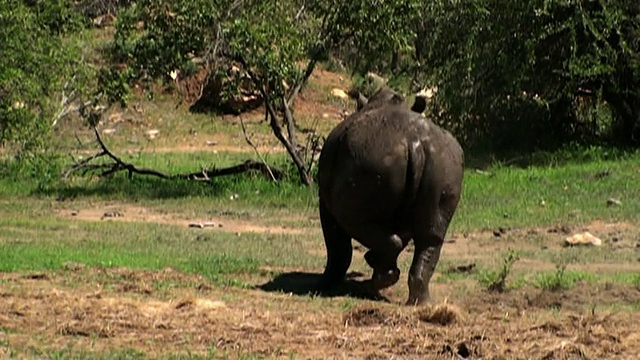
[500, 196]
[561, 278]
[538, 195]
[47, 244]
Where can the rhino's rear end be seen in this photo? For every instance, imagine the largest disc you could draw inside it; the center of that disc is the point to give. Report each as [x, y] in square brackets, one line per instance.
[362, 180]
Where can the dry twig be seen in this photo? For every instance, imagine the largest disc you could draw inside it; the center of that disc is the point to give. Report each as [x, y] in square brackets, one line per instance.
[250, 143]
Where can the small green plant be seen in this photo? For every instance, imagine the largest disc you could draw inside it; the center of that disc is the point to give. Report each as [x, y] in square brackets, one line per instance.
[496, 281]
[560, 279]
[636, 281]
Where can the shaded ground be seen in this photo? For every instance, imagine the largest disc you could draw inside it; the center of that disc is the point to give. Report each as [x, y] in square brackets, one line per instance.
[105, 310]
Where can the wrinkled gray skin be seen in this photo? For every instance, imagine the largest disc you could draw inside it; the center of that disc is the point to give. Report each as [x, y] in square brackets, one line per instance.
[387, 176]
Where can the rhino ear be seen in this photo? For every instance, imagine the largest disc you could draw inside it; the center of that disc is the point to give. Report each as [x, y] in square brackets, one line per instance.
[360, 99]
[419, 104]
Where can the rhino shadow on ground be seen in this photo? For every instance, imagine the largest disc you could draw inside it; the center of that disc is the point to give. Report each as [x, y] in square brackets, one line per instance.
[305, 284]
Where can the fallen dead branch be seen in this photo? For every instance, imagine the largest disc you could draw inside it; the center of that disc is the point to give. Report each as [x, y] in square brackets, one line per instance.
[116, 164]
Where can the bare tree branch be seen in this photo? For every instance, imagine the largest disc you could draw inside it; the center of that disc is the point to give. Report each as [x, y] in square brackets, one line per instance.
[291, 127]
[67, 105]
[250, 143]
[272, 114]
[311, 65]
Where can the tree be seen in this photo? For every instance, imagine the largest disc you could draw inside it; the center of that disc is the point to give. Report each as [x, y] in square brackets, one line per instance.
[267, 41]
[35, 66]
[522, 74]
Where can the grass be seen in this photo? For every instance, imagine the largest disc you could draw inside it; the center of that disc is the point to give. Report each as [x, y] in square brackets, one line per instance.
[45, 243]
[561, 279]
[539, 195]
[501, 196]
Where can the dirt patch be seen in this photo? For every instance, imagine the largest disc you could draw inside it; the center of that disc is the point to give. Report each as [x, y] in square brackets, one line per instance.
[81, 308]
[130, 213]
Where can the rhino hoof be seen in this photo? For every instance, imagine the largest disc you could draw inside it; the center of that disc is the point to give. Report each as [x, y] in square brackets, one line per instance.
[385, 279]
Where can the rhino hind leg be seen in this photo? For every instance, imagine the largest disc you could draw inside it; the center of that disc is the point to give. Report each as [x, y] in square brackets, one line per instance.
[384, 274]
[428, 244]
[339, 251]
[385, 246]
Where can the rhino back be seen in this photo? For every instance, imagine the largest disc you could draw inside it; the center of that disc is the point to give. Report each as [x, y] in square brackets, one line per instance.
[365, 164]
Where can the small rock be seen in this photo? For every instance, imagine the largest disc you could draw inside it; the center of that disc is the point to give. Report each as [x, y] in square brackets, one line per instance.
[112, 214]
[339, 93]
[463, 268]
[151, 134]
[584, 238]
[73, 266]
[115, 117]
[499, 232]
[74, 213]
[613, 202]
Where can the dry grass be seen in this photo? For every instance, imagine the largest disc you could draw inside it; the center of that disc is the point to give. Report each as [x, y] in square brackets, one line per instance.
[55, 310]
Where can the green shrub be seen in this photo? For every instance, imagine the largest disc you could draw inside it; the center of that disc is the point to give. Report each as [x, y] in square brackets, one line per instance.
[34, 68]
[496, 281]
[58, 16]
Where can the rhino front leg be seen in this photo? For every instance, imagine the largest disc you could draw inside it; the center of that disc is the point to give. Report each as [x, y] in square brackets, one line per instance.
[339, 250]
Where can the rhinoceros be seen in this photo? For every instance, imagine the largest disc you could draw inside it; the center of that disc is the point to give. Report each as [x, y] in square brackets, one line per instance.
[388, 175]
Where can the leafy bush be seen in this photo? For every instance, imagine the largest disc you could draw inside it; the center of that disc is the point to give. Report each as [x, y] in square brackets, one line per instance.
[95, 8]
[534, 74]
[28, 70]
[58, 16]
[155, 37]
[36, 66]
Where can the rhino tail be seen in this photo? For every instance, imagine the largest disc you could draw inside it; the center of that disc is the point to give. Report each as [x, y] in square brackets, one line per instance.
[413, 177]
